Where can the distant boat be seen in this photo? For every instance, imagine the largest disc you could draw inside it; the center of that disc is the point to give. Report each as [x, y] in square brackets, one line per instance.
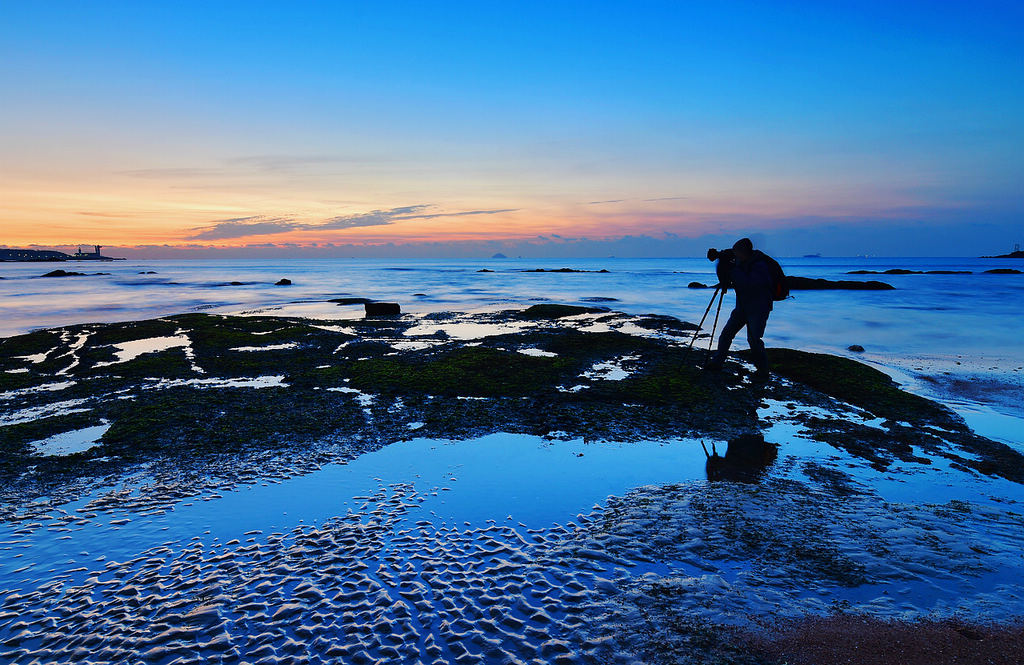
[812, 256]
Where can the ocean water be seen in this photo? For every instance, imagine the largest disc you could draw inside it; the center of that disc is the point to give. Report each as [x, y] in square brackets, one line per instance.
[955, 337]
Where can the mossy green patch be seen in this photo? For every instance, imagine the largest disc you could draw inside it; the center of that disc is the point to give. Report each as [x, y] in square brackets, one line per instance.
[182, 419]
[257, 363]
[19, 380]
[29, 344]
[588, 346]
[167, 364]
[469, 371]
[250, 324]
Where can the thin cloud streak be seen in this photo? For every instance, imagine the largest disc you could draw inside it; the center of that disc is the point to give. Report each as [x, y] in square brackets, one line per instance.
[241, 227]
[257, 225]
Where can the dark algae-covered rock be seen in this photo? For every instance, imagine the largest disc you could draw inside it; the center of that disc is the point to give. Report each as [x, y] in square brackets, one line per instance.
[63, 273]
[904, 271]
[807, 283]
[906, 414]
[350, 301]
[382, 308]
[555, 311]
[602, 270]
[855, 383]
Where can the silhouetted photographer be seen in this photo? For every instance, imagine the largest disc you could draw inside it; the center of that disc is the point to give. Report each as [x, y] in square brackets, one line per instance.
[758, 281]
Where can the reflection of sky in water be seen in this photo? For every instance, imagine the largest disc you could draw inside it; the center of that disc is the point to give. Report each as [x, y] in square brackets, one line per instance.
[503, 477]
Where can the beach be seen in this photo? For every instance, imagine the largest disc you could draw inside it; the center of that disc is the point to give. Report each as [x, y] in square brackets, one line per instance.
[202, 465]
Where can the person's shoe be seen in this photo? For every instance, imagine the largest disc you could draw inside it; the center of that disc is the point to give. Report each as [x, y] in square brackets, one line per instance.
[761, 376]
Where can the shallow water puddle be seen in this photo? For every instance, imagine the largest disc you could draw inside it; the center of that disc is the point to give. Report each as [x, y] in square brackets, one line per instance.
[537, 353]
[506, 478]
[990, 423]
[276, 381]
[45, 411]
[46, 387]
[610, 370]
[467, 329]
[130, 350]
[67, 443]
[269, 347]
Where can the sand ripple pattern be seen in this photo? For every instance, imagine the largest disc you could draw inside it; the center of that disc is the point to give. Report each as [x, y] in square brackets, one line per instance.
[370, 586]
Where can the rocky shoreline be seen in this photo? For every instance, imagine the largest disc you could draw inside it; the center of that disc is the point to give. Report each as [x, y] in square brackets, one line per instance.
[192, 407]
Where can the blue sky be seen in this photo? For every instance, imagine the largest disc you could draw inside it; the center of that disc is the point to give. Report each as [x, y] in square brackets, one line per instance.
[153, 123]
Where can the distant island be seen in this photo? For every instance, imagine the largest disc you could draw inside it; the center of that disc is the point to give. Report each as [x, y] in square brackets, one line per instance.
[1017, 253]
[50, 255]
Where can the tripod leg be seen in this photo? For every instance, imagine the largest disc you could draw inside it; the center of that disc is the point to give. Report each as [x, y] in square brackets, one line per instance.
[701, 324]
[711, 342]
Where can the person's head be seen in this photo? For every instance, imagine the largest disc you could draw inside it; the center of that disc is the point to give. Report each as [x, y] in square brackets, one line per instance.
[743, 248]
[712, 254]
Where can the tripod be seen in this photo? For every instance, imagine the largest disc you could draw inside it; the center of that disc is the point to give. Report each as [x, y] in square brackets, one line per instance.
[720, 294]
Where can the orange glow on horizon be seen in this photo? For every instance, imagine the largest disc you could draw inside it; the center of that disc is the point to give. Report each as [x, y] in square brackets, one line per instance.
[129, 212]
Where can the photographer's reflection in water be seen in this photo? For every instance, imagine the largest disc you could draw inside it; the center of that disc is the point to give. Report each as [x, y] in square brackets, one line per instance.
[746, 459]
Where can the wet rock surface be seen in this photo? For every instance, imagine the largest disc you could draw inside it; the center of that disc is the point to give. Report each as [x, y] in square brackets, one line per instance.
[196, 408]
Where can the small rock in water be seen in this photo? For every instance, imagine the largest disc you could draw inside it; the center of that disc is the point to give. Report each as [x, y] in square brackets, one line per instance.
[283, 282]
[63, 273]
[856, 348]
[382, 308]
[697, 285]
[350, 301]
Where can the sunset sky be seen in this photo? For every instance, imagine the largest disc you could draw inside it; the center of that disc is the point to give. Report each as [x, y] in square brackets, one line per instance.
[842, 127]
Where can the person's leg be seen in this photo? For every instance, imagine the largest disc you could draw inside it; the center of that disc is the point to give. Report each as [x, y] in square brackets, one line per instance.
[736, 321]
[755, 331]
